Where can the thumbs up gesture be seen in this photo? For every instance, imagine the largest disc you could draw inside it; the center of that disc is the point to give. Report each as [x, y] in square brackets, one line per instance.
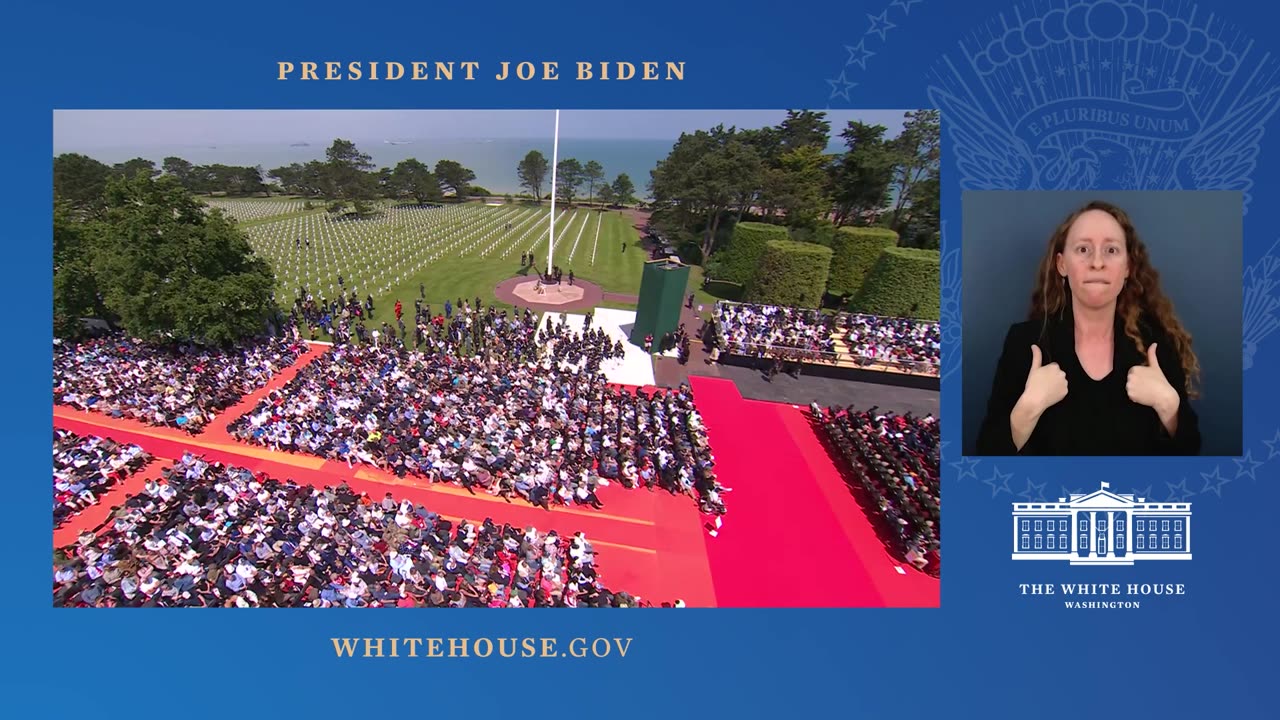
[1147, 385]
[1046, 384]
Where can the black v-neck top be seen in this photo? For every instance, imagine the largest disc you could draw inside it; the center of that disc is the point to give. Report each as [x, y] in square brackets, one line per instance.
[1096, 417]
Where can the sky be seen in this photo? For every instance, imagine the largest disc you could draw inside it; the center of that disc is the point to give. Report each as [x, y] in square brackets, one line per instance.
[87, 129]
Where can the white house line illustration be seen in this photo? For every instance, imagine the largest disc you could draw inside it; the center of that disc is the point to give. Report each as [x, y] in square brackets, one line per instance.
[1102, 528]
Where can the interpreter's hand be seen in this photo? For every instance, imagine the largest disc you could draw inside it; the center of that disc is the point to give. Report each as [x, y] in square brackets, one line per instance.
[1046, 384]
[1147, 385]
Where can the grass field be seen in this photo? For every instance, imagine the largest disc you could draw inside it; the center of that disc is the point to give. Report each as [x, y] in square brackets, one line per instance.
[456, 251]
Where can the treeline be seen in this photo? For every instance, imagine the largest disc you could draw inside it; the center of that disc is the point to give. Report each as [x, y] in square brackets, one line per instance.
[534, 172]
[783, 175]
[81, 181]
[346, 179]
[350, 181]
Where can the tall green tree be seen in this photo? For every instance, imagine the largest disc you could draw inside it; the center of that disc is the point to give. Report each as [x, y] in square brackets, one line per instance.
[180, 170]
[804, 129]
[707, 173]
[803, 197]
[165, 267]
[412, 178]
[81, 183]
[569, 176]
[622, 190]
[919, 151]
[862, 176]
[348, 179]
[532, 172]
[924, 223]
[75, 290]
[605, 196]
[593, 175]
[454, 177]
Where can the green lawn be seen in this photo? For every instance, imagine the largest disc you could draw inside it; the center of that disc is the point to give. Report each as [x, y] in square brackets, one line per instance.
[465, 255]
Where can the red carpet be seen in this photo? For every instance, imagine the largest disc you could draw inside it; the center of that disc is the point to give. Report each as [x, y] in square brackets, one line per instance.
[93, 516]
[793, 536]
[649, 544]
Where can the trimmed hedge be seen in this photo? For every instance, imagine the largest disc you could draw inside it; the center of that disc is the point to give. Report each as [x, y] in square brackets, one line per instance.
[905, 282]
[738, 263]
[856, 251]
[791, 273]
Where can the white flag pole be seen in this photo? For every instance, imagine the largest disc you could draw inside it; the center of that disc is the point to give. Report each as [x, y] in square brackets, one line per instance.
[555, 155]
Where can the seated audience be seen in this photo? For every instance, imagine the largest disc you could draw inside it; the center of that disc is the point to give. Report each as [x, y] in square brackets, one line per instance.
[86, 467]
[894, 460]
[764, 329]
[484, 407]
[912, 344]
[176, 385]
[804, 335]
[208, 535]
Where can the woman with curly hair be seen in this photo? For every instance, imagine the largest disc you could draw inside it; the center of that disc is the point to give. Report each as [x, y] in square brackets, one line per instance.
[1103, 366]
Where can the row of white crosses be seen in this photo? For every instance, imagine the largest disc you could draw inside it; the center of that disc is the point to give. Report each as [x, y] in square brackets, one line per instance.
[596, 243]
[524, 224]
[375, 252]
[245, 210]
[586, 220]
[380, 252]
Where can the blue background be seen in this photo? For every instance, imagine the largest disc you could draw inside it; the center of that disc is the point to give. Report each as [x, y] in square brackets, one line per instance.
[1194, 242]
[988, 652]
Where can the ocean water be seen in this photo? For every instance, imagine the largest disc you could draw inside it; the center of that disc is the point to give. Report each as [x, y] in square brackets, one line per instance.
[493, 161]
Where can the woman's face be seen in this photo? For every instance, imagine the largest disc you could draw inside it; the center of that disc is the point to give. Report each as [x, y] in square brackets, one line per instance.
[1094, 259]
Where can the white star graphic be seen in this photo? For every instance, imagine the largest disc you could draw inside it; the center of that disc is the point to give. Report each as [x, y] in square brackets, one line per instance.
[1128, 66]
[1246, 465]
[840, 86]
[859, 54]
[999, 482]
[1192, 93]
[1017, 92]
[1171, 82]
[1033, 491]
[1105, 64]
[1168, 152]
[1272, 445]
[1082, 66]
[1209, 482]
[905, 5]
[1151, 72]
[1144, 149]
[1039, 82]
[880, 24]
[1060, 71]
[1174, 490]
[966, 465]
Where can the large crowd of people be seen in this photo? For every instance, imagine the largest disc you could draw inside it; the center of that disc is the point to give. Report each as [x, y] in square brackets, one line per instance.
[913, 344]
[584, 350]
[208, 535]
[176, 385]
[747, 329]
[804, 335]
[894, 460]
[84, 468]
[491, 409]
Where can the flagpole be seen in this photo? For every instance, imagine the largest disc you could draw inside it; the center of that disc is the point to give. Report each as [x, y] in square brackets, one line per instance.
[555, 154]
